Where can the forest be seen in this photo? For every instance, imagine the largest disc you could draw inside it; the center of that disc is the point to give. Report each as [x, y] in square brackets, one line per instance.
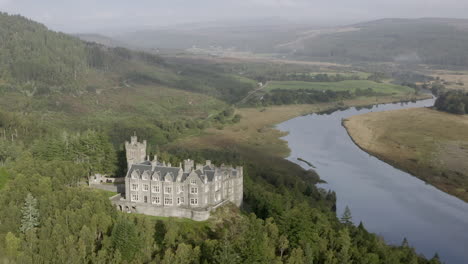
[47, 151]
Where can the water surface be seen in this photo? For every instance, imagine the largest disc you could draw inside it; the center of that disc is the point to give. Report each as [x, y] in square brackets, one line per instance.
[389, 202]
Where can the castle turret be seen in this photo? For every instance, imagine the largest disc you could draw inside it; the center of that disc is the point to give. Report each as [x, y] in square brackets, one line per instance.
[188, 165]
[136, 151]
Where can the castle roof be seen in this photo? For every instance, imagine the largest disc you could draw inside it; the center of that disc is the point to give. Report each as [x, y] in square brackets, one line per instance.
[176, 173]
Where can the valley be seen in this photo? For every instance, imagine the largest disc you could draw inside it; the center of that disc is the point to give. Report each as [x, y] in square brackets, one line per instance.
[224, 94]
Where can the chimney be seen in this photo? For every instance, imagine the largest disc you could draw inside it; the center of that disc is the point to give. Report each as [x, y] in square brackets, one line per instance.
[154, 163]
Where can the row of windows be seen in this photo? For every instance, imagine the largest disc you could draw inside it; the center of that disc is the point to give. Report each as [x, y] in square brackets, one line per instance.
[179, 189]
[167, 200]
[156, 188]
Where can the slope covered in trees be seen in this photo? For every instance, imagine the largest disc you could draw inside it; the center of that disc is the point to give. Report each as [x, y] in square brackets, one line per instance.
[50, 141]
[431, 41]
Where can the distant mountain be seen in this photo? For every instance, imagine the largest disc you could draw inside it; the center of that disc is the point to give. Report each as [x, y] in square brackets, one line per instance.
[439, 41]
[256, 36]
[427, 40]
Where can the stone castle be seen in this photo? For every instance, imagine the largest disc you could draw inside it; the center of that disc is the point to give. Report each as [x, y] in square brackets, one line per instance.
[191, 191]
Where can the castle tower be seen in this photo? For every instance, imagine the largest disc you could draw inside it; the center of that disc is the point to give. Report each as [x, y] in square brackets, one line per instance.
[188, 165]
[136, 151]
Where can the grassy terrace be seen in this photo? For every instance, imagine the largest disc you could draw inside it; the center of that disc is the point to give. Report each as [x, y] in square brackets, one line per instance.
[425, 142]
[352, 85]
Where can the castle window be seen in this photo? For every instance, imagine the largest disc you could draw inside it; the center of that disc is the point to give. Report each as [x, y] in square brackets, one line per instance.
[193, 181]
[134, 187]
[155, 200]
[179, 200]
[182, 188]
[193, 201]
[168, 190]
[145, 187]
[155, 188]
[194, 190]
[168, 201]
[135, 197]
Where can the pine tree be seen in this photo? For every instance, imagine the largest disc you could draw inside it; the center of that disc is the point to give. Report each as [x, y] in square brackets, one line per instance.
[405, 243]
[30, 214]
[346, 218]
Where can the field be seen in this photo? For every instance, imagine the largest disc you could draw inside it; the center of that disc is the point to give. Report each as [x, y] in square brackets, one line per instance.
[427, 143]
[384, 88]
[453, 79]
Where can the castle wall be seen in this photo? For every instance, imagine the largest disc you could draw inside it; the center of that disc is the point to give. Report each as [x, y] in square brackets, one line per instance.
[148, 209]
[147, 195]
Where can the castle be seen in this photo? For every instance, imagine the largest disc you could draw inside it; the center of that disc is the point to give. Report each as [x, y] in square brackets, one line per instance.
[191, 191]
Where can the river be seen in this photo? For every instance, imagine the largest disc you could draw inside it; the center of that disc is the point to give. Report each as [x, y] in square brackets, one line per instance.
[390, 202]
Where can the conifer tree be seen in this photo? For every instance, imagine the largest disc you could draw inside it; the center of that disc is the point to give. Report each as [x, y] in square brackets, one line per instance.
[346, 218]
[30, 214]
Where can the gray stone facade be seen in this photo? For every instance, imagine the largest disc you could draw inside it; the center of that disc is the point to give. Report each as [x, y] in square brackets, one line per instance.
[192, 190]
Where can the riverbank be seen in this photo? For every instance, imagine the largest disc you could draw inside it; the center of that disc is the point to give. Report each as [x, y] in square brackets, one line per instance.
[256, 128]
[429, 144]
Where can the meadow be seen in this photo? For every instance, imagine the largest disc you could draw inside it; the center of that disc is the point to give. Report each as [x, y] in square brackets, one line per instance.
[425, 142]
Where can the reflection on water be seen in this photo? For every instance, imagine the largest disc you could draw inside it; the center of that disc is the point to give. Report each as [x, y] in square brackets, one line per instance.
[388, 201]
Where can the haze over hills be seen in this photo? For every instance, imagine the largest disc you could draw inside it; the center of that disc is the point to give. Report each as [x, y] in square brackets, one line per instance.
[440, 41]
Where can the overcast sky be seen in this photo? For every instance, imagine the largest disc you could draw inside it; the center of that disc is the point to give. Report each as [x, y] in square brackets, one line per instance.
[100, 15]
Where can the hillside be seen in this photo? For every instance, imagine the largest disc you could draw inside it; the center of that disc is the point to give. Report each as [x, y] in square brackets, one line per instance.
[436, 41]
[430, 41]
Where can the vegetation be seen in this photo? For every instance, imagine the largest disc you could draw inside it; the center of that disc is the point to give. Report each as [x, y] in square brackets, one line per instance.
[351, 86]
[56, 131]
[430, 41]
[425, 142]
[295, 92]
[455, 102]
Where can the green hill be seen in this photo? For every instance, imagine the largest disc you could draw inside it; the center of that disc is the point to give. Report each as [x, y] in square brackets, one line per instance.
[431, 41]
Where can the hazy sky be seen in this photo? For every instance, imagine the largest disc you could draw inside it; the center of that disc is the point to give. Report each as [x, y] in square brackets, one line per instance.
[100, 15]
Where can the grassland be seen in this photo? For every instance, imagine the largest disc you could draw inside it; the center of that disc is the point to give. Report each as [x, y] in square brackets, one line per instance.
[352, 85]
[429, 144]
[256, 129]
[457, 80]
